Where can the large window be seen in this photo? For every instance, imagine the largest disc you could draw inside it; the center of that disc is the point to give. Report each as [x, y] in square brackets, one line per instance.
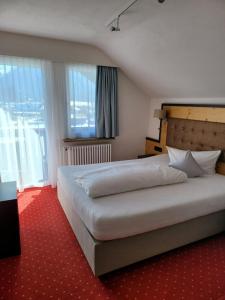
[33, 114]
[81, 86]
[22, 121]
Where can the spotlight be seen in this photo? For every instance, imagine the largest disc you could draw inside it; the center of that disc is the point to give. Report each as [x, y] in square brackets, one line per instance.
[114, 28]
[114, 25]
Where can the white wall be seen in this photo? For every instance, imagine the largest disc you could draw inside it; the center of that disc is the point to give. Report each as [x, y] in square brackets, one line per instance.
[133, 120]
[51, 49]
[153, 126]
[133, 104]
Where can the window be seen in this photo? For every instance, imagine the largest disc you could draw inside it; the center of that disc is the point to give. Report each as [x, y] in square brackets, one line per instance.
[33, 114]
[81, 87]
[22, 121]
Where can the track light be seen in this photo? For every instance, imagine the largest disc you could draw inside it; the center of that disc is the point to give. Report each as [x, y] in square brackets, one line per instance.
[114, 25]
[113, 28]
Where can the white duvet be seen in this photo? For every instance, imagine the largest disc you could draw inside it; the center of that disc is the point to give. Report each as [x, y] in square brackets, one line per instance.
[135, 212]
[118, 178]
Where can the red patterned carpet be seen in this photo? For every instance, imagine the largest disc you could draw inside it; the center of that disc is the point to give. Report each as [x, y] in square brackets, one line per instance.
[52, 265]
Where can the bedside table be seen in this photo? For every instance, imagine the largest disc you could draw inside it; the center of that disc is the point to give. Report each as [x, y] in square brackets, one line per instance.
[9, 220]
[145, 155]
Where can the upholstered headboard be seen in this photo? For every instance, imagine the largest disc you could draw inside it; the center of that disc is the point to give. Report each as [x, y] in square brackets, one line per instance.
[196, 135]
[194, 127]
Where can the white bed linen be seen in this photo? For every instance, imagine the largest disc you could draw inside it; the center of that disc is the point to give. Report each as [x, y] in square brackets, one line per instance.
[116, 179]
[135, 212]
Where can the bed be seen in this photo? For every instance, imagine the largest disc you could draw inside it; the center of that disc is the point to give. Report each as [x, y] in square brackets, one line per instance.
[117, 230]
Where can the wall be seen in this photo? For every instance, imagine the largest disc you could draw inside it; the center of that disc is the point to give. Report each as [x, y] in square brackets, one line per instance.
[153, 126]
[133, 104]
[133, 120]
[51, 49]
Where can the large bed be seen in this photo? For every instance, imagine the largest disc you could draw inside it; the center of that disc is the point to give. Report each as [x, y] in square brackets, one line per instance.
[117, 230]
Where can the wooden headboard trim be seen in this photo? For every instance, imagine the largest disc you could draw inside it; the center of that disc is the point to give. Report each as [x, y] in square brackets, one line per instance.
[210, 114]
[199, 112]
[189, 112]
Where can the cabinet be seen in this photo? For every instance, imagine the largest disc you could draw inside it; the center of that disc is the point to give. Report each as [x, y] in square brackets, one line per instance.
[9, 220]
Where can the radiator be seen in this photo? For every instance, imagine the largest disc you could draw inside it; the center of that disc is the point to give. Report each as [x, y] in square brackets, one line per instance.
[86, 154]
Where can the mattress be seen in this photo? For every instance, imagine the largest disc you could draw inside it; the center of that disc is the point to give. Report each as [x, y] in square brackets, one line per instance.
[127, 214]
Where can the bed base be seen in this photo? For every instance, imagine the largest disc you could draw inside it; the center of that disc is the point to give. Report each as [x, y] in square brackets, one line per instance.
[106, 256]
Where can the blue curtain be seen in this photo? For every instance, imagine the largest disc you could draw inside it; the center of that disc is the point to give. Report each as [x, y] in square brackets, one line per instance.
[106, 106]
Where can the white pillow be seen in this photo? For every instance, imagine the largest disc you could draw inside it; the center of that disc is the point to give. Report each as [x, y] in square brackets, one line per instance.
[188, 166]
[206, 159]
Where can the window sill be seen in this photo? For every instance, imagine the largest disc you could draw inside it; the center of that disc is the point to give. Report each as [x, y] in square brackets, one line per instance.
[87, 140]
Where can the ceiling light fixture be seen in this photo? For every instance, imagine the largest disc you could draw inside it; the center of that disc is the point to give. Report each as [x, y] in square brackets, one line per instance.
[114, 25]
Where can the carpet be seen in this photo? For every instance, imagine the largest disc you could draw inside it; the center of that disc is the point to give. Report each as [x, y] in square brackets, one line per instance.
[52, 265]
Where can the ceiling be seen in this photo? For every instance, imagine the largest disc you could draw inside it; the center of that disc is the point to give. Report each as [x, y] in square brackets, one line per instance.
[175, 49]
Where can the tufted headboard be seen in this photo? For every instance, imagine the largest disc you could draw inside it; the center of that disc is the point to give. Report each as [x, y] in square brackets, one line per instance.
[194, 127]
[196, 135]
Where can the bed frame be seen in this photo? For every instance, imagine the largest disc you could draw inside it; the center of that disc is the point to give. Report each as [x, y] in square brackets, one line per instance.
[106, 256]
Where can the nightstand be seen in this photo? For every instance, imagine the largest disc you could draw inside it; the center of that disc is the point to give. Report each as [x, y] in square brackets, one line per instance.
[9, 220]
[145, 155]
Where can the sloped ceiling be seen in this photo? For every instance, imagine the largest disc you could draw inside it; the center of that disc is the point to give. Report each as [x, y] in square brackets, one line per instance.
[175, 49]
